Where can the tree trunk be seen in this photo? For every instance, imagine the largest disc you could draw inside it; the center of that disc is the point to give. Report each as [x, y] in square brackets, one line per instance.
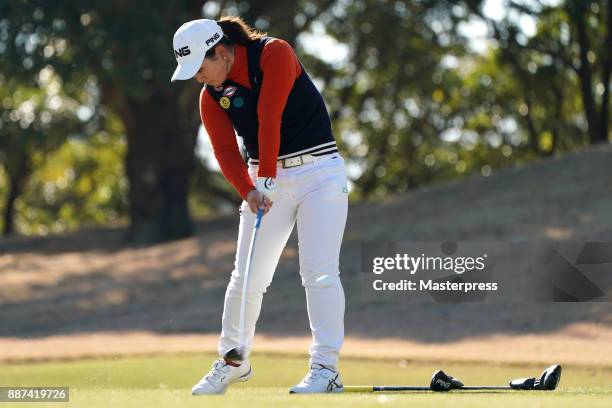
[534, 140]
[586, 76]
[159, 162]
[605, 101]
[369, 180]
[9, 209]
[16, 181]
[556, 127]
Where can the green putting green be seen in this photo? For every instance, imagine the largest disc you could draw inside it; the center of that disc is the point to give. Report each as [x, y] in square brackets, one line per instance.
[166, 380]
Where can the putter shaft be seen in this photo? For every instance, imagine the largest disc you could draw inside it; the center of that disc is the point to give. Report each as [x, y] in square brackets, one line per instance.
[238, 353]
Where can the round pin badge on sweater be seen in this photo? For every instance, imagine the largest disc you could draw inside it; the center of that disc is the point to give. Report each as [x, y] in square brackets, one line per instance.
[224, 102]
[229, 91]
[238, 102]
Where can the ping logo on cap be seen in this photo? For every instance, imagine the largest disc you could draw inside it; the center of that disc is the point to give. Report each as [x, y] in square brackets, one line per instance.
[182, 52]
[212, 39]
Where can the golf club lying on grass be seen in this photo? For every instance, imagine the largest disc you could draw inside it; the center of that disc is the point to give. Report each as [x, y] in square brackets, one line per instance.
[440, 382]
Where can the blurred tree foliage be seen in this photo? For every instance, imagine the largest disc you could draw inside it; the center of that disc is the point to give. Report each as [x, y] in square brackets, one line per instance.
[122, 51]
[92, 131]
[33, 122]
[61, 170]
[559, 72]
[414, 103]
[81, 183]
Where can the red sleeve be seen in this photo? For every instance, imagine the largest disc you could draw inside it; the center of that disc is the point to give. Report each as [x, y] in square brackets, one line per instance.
[281, 68]
[225, 147]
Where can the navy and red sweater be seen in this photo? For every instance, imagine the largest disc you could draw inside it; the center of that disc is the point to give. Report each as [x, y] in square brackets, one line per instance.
[270, 101]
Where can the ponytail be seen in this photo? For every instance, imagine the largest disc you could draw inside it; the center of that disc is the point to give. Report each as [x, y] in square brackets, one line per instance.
[237, 31]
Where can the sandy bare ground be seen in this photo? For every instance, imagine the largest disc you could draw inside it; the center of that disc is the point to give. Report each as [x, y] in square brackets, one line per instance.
[542, 349]
[89, 293]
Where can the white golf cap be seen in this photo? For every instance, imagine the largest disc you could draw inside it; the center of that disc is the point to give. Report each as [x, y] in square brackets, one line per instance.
[191, 42]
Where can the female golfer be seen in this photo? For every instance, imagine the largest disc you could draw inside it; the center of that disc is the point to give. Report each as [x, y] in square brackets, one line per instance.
[256, 86]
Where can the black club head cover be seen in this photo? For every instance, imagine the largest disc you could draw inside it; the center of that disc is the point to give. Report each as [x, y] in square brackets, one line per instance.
[549, 379]
[440, 381]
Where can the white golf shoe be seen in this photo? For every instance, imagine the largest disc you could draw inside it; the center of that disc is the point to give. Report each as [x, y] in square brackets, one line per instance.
[319, 379]
[221, 376]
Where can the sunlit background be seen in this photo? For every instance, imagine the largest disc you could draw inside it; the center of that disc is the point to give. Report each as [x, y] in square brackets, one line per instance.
[93, 133]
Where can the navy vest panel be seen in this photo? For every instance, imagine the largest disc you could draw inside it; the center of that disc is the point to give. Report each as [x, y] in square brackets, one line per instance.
[305, 121]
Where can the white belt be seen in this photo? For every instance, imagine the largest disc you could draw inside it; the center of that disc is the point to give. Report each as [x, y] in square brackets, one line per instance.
[296, 161]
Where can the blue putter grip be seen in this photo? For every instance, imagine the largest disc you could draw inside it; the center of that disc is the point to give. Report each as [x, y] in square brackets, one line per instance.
[260, 213]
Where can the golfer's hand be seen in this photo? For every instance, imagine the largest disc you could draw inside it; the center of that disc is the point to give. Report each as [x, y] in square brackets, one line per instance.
[256, 200]
[267, 186]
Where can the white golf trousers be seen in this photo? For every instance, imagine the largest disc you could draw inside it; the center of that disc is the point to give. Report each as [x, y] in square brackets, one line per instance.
[315, 194]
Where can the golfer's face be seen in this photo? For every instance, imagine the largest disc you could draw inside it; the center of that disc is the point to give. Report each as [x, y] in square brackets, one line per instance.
[212, 72]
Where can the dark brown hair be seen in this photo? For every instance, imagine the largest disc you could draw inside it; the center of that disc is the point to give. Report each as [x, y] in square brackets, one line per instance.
[237, 31]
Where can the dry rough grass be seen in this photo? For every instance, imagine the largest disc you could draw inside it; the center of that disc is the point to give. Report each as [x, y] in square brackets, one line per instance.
[89, 288]
[573, 345]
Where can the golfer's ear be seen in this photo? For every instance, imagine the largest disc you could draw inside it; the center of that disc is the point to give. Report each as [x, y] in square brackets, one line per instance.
[221, 51]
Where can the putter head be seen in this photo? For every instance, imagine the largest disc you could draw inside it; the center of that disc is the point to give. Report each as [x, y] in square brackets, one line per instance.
[235, 354]
[548, 381]
[440, 381]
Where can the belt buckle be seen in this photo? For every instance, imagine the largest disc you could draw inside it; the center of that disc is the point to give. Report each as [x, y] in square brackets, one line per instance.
[292, 162]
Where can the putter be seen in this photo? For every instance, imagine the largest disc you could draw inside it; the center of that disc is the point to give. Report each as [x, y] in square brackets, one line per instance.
[442, 382]
[239, 353]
